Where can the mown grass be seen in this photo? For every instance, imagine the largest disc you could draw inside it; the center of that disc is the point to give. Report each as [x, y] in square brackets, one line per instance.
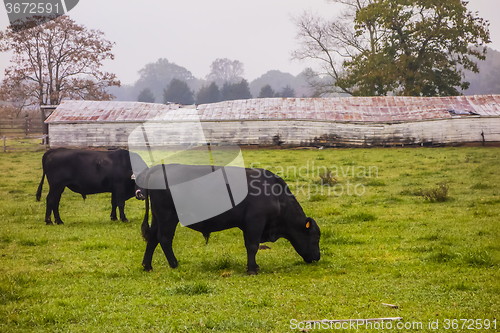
[382, 242]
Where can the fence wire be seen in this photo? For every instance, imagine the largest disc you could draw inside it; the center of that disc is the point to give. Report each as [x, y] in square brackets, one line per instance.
[21, 144]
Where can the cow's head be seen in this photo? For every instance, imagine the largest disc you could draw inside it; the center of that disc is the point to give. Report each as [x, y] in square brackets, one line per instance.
[305, 239]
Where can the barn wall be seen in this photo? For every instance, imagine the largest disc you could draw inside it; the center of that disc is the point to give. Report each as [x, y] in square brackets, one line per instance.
[82, 135]
[294, 132]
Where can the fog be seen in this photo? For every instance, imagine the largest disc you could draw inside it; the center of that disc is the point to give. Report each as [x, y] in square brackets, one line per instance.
[193, 33]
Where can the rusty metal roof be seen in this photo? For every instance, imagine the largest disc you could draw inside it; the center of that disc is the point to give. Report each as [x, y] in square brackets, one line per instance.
[347, 109]
[107, 111]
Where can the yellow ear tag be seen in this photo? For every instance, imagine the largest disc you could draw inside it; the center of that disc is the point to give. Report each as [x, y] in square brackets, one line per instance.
[308, 225]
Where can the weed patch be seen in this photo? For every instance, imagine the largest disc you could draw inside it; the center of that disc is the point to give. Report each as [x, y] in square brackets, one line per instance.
[480, 186]
[33, 242]
[318, 197]
[357, 217]
[375, 182]
[477, 258]
[95, 247]
[192, 289]
[441, 256]
[326, 178]
[437, 194]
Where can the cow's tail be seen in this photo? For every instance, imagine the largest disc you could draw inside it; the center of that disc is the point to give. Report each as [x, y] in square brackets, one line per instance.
[145, 223]
[40, 186]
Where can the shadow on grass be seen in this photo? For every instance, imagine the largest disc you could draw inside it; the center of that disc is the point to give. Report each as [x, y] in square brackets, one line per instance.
[473, 258]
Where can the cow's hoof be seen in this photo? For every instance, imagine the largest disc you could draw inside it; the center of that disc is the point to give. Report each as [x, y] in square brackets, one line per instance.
[257, 268]
[125, 220]
[59, 222]
[49, 222]
[113, 218]
[252, 272]
[147, 268]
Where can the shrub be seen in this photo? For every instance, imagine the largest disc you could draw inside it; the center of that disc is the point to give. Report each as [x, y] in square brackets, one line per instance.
[437, 194]
[326, 179]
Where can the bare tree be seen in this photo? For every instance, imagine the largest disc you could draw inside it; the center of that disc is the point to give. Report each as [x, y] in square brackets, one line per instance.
[17, 94]
[332, 42]
[57, 60]
[225, 71]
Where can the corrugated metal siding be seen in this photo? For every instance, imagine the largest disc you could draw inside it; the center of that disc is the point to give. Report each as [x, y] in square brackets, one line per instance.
[348, 109]
[291, 132]
[363, 121]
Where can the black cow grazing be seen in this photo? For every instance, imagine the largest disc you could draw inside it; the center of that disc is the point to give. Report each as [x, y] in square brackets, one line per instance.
[87, 172]
[268, 212]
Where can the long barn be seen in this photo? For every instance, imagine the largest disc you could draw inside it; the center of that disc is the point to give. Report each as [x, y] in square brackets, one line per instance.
[350, 121]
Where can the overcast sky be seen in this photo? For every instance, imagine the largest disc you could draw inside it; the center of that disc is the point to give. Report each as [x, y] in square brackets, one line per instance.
[193, 33]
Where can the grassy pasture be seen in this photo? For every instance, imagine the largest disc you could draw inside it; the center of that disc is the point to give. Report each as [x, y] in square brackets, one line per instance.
[382, 242]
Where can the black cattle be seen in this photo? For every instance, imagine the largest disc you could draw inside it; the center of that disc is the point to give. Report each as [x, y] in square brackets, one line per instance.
[268, 212]
[87, 172]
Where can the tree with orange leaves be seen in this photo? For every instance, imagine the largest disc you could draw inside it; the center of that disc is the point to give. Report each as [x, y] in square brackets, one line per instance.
[54, 61]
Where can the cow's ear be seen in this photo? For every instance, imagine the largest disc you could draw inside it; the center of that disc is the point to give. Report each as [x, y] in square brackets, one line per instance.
[308, 222]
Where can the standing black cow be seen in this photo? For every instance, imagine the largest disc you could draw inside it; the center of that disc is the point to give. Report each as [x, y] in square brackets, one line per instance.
[268, 212]
[87, 172]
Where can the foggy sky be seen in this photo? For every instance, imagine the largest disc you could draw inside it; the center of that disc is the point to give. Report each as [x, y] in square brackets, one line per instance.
[193, 33]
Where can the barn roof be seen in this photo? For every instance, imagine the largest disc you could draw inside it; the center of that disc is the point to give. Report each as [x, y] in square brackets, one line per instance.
[347, 109]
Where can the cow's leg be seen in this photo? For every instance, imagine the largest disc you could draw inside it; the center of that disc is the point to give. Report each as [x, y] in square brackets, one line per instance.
[121, 208]
[120, 202]
[48, 210]
[113, 206]
[252, 240]
[151, 246]
[252, 247]
[53, 199]
[166, 232]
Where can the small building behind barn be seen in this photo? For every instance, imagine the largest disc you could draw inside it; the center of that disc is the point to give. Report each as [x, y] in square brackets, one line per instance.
[336, 122]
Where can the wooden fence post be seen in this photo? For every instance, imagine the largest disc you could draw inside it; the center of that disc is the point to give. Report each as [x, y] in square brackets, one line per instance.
[26, 126]
[4, 147]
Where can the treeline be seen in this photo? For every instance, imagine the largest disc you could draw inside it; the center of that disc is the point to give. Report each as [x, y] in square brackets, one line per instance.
[178, 91]
[167, 82]
[487, 81]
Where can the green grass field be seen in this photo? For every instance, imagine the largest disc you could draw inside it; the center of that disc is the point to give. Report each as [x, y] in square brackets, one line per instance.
[382, 242]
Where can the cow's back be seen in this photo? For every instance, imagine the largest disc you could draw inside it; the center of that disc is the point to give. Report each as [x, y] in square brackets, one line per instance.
[87, 171]
[260, 199]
